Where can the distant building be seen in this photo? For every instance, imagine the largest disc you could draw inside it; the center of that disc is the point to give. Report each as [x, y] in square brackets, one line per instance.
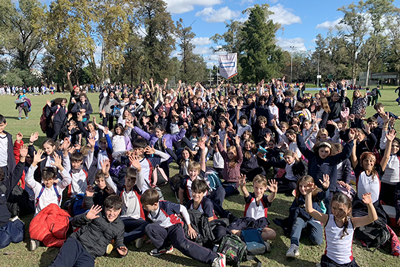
[389, 78]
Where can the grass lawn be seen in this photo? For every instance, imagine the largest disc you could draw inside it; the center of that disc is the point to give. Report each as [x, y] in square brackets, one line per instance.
[18, 254]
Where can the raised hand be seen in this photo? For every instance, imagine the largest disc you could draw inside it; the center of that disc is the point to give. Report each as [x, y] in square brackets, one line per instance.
[242, 180]
[66, 144]
[237, 140]
[92, 213]
[325, 183]
[352, 134]
[19, 137]
[105, 166]
[135, 163]
[37, 157]
[391, 135]
[149, 150]
[310, 188]
[272, 186]
[366, 198]
[347, 186]
[57, 161]
[92, 142]
[23, 151]
[34, 137]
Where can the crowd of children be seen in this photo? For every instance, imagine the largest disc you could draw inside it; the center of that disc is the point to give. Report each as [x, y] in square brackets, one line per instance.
[312, 146]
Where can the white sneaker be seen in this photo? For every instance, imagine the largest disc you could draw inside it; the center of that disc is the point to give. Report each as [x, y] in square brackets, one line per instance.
[139, 242]
[219, 261]
[267, 246]
[293, 251]
[33, 244]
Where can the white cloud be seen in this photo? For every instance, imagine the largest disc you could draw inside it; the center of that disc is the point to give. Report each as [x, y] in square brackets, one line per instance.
[202, 50]
[327, 25]
[273, 1]
[287, 44]
[209, 14]
[182, 6]
[201, 41]
[283, 15]
[246, 2]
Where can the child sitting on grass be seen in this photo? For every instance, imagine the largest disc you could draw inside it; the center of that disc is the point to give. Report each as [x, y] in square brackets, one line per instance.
[255, 211]
[299, 219]
[167, 229]
[94, 235]
[339, 227]
[50, 190]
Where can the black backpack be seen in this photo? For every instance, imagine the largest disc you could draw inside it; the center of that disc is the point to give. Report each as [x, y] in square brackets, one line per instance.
[234, 249]
[374, 235]
[374, 92]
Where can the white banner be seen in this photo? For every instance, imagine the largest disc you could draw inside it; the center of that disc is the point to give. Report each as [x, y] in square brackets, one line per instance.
[228, 65]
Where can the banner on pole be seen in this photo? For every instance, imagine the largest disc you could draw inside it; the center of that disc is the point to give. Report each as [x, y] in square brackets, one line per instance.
[228, 65]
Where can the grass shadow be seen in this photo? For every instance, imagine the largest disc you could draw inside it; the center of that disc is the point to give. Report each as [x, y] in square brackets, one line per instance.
[278, 248]
[48, 256]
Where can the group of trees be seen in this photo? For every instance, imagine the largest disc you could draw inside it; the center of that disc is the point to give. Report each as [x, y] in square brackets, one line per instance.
[125, 41]
[367, 39]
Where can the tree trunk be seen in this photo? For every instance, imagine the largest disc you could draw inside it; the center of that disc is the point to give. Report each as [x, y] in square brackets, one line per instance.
[367, 76]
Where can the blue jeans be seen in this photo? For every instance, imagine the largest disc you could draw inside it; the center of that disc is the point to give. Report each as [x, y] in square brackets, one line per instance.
[314, 227]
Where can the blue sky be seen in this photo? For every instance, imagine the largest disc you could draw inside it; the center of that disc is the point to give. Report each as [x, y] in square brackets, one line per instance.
[301, 20]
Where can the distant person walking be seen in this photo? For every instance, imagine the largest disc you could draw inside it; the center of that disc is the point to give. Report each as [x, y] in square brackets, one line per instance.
[398, 92]
[374, 94]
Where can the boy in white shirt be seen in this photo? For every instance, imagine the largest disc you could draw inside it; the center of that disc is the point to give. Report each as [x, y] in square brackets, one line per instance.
[50, 190]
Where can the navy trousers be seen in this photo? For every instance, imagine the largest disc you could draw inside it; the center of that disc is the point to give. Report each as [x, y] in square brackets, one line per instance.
[134, 229]
[72, 253]
[11, 232]
[163, 237]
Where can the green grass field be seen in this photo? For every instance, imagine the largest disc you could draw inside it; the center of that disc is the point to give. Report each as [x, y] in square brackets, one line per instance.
[18, 254]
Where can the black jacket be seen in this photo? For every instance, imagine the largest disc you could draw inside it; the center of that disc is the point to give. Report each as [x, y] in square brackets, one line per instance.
[6, 186]
[95, 235]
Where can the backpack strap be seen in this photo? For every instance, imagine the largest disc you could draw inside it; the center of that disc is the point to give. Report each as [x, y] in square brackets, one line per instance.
[58, 195]
[40, 194]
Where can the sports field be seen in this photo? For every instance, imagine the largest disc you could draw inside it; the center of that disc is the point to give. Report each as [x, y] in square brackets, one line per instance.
[18, 254]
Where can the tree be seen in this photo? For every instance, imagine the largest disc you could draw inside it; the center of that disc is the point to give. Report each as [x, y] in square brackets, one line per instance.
[65, 36]
[353, 29]
[20, 39]
[261, 59]
[158, 42]
[186, 36]
[379, 13]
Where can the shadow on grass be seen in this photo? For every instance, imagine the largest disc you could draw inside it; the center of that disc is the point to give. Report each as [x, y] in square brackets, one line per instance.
[48, 256]
[278, 255]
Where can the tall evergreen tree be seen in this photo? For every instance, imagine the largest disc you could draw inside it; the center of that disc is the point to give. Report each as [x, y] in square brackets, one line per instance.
[261, 59]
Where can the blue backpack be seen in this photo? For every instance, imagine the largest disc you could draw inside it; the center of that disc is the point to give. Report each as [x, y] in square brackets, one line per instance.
[213, 179]
[254, 242]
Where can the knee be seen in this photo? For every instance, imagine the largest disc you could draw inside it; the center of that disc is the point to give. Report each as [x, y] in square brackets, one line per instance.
[316, 239]
[5, 240]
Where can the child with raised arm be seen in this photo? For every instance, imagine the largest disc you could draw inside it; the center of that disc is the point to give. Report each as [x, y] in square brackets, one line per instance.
[339, 227]
[50, 190]
[96, 230]
[256, 209]
[299, 219]
[166, 230]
